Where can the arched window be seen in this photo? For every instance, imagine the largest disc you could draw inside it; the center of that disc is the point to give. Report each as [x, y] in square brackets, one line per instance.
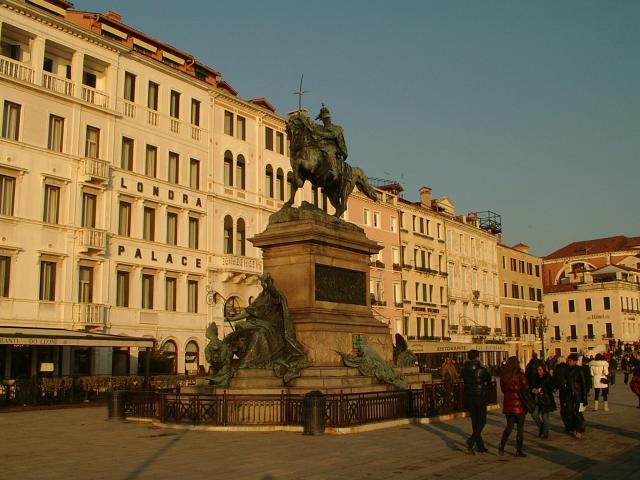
[280, 184]
[191, 357]
[228, 168]
[240, 176]
[268, 182]
[168, 359]
[228, 234]
[232, 306]
[240, 236]
[289, 184]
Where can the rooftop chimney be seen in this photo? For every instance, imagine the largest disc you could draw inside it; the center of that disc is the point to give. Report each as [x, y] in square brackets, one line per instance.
[425, 197]
[115, 16]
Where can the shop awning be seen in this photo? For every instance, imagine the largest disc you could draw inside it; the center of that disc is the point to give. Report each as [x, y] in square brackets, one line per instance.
[67, 338]
[418, 346]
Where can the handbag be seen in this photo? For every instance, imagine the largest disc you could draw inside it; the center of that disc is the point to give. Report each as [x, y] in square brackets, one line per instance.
[526, 397]
[604, 381]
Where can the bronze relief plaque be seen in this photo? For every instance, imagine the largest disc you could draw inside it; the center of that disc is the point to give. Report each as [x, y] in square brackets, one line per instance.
[340, 285]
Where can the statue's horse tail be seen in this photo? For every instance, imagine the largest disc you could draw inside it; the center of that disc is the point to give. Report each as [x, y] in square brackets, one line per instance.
[363, 184]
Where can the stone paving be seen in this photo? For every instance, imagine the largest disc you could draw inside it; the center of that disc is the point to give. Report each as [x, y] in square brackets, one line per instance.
[81, 443]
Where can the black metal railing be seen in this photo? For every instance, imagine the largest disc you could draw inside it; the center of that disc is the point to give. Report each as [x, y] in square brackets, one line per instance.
[341, 410]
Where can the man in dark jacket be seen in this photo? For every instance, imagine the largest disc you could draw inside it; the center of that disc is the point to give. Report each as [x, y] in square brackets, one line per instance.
[576, 401]
[476, 379]
[532, 367]
[560, 378]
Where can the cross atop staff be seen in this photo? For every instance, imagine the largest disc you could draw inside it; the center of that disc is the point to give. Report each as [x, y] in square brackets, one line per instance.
[300, 93]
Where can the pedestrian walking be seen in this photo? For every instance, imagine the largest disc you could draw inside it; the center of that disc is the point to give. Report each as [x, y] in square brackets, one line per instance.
[542, 386]
[476, 380]
[449, 371]
[512, 381]
[600, 379]
[560, 380]
[624, 366]
[531, 368]
[635, 383]
[576, 399]
[613, 366]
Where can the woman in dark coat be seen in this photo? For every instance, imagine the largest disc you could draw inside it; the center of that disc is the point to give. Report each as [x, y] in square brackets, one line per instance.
[511, 381]
[542, 387]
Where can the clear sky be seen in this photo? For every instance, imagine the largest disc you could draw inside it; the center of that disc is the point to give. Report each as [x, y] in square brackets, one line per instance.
[527, 108]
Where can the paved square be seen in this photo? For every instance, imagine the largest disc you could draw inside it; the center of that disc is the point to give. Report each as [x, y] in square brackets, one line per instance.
[81, 443]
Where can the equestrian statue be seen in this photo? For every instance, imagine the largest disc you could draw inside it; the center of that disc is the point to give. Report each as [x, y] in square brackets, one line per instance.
[318, 155]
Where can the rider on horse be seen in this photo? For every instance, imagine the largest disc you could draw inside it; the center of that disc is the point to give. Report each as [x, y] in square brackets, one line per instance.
[330, 140]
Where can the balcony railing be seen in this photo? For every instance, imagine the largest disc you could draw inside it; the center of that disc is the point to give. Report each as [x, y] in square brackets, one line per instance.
[57, 84]
[95, 97]
[14, 69]
[95, 169]
[174, 125]
[238, 263]
[128, 109]
[89, 314]
[92, 239]
[196, 133]
[589, 337]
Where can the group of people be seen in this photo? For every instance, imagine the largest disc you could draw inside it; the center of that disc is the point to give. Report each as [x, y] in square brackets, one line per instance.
[532, 391]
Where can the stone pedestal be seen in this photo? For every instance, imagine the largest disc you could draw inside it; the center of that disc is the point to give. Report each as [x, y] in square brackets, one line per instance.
[321, 265]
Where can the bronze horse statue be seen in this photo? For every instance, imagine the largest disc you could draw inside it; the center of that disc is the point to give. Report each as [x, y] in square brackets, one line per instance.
[315, 157]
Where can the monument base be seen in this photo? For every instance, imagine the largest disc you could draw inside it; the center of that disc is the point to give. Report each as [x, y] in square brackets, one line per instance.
[321, 265]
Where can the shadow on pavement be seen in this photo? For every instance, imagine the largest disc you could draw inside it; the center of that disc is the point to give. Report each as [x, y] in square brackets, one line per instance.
[144, 465]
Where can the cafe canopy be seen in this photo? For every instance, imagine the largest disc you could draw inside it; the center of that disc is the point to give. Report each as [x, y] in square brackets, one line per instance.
[36, 336]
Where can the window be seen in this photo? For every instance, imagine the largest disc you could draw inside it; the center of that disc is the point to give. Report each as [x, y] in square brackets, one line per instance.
[194, 232]
[149, 224]
[574, 333]
[170, 294]
[89, 201]
[506, 290]
[194, 173]
[228, 168]
[268, 181]
[195, 112]
[47, 281]
[290, 184]
[5, 275]
[92, 144]
[532, 293]
[529, 269]
[366, 217]
[129, 87]
[590, 330]
[126, 160]
[587, 304]
[152, 96]
[122, 289]
[609, 330]
[172, 174]
[394, 224]
[572, 306]
[124, 219]
[240, 169]
[85, 285]
[539, 294]
[504, 262]
[172, 228]
[11, 120]
[537, 270]
[228, 235]
[515, 293]
[556, 332]
[607, 303]
[89, 79]
[174, 104]
[51, 204]
[241, 124]
[556, 307]
[514, 265]
[228, 122]
[56, 132]
[280, 184]
[147, 292]
[280, 143]
[240, 237]
[151, 161]
[192, 296]
[376, 220]
[268, 138]
[11, 50]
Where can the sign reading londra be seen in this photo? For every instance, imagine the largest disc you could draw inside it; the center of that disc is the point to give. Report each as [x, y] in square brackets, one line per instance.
[340, 285]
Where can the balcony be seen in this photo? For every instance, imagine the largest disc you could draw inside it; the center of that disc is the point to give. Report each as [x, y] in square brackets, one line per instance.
[606, 336]
[555, 339]
[95, 97]
[17, 70]
[237, 268]
[57, 84]
[95, 170]
[89, 315]
[571, 339]
[589, 337]
[92, 240]
[453, 329]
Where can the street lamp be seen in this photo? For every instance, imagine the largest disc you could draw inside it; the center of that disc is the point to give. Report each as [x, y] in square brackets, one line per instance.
[543, 323]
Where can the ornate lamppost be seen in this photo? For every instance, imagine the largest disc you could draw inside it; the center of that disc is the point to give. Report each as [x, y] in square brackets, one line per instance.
[543, 323]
